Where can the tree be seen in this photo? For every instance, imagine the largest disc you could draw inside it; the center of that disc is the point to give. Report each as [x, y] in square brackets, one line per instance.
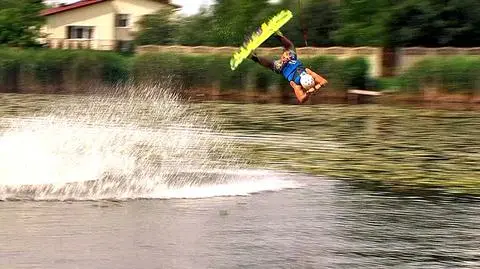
[363, 22]
[292, 29]
[316, 18]
[386, 23]
[228, 22]
[196, 30]
[435, 23]
[157, 29]
[20, 22]
[319, 21]
[399, 23]
[463, 29]
[233, 19]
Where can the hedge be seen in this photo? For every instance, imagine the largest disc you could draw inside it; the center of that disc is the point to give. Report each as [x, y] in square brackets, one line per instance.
[59, 70]
[207, 70]
[9, 70]
[450, 74]
[71, 71]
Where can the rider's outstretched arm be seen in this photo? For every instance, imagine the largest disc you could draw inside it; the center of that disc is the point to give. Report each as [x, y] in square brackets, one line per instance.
[262, 61]
[287, 44]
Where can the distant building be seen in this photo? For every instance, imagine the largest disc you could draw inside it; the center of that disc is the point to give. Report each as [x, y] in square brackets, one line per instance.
[97, 24]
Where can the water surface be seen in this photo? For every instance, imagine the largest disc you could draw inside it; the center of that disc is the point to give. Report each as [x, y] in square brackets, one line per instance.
[325, 224]
[153, 182]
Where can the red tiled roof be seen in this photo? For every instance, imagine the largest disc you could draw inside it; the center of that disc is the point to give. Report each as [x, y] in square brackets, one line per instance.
[62, 8]
[84, 3]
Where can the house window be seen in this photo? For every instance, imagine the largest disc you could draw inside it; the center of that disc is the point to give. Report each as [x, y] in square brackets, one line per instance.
[80, 32]
[123, 20]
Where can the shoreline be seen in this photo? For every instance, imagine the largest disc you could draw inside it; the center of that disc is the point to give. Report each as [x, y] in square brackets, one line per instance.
[449, 101]
[441, 101]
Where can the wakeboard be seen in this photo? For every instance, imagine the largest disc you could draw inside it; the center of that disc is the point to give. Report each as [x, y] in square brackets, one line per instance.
[254, 40]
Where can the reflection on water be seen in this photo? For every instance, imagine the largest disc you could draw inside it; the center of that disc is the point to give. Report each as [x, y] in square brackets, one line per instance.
[400, 147]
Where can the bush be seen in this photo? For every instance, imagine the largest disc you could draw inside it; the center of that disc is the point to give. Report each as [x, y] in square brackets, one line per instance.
[116, 68]
[56, 70]
[355, 73]
[76, 70]
[387, 84]
[459, 74]
[207, 70]
[341, 74]
[9, 70]
[50, 66]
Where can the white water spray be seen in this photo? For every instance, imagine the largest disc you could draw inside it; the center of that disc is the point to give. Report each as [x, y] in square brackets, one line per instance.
[137, 142]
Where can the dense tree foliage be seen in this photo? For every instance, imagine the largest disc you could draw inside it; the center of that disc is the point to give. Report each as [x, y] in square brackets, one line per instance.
[435, 23]
[196, 30]
[362, 22]
[391, 23]
[318, 21]
[20, 22]
[385, 23]
[158, 28]
[314, 22]
[227, 22]
[388, 23]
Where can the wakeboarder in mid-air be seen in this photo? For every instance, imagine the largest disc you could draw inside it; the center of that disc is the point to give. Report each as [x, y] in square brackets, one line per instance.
[303, 80]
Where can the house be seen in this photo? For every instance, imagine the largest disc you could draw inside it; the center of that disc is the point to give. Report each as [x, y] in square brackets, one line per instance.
[97, 24]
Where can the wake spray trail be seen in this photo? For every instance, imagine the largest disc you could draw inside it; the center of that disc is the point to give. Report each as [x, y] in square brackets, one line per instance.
[135, 142]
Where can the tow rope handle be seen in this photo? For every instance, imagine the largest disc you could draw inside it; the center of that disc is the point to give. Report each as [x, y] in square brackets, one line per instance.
[302, 24]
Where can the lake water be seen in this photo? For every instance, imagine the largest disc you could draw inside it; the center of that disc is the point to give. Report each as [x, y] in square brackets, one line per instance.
[148, 181]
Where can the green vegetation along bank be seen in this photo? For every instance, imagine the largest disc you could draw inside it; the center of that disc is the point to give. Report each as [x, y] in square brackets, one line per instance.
[79, 71]
[64, 71]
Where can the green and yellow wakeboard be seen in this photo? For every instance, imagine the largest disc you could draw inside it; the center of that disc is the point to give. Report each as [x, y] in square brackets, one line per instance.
[259, 36]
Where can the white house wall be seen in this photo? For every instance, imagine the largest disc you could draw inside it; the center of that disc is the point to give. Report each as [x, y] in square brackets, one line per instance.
[102, 17]
[136, 9]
